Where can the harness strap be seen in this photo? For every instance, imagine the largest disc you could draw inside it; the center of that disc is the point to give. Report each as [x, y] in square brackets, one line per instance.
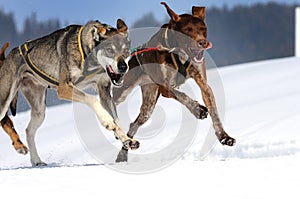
[143, 50]
[88, 74]
[80, 46]
[181, 67]
[24, 52]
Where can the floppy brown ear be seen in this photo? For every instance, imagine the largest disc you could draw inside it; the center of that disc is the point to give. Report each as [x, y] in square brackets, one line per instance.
[175, 17]
[198, 12]
[121, 26]
[98, 32]
[101, 30]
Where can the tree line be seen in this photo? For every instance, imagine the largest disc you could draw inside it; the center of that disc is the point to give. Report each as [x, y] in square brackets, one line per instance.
[240, 34]
[32, 28]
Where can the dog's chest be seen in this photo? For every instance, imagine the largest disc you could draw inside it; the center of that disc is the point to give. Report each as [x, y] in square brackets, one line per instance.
[75, 73]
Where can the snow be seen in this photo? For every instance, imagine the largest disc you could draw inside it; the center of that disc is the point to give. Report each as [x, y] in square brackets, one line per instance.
[262, 111]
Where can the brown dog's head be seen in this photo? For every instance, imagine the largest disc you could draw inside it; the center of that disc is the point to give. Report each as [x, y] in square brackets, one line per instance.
[194, 27]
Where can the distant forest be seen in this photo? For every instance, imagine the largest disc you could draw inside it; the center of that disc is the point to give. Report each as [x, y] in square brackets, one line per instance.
[240, 34]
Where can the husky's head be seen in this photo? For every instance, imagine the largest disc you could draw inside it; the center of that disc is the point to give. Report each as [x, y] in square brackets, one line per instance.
[113, 51]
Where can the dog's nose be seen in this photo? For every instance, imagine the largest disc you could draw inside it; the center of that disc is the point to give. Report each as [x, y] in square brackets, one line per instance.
[122, 66]
[203, 43]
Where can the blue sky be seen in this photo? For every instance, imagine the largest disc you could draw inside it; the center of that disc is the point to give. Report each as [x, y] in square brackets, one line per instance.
[107, 11]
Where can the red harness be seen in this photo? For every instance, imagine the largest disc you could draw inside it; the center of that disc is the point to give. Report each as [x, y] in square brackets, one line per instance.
[144, 50]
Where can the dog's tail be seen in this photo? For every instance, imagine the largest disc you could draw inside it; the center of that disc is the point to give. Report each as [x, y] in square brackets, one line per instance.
[13, 104]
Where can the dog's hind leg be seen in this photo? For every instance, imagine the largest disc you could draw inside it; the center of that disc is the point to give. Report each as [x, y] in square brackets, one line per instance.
[150, 95]
[8, 127]
[35, 95]
[6, 122]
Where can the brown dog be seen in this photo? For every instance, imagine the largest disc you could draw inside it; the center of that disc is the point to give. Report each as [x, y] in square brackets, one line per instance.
[6, 122]
[153, 65]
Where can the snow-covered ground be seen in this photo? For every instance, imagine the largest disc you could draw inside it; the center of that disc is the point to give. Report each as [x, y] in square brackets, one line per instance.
[262, 111]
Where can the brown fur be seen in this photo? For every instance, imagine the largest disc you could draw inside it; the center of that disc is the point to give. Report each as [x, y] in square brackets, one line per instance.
[6, 122]
[155, 70]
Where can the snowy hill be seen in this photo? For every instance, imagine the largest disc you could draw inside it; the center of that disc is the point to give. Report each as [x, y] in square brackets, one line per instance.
[262, 111]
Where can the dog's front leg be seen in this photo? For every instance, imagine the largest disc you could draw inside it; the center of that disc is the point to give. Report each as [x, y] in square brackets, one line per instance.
[209, 100]
[107, 101]
[68, 91]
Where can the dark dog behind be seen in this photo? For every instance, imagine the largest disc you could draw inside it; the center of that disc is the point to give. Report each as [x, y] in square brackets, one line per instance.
[190, 63]
[6, 122]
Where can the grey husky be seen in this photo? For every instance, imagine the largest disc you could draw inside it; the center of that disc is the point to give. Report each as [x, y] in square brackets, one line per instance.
[58, 61]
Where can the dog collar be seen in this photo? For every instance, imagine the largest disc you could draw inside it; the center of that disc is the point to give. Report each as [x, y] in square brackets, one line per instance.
[166, 38]
[80, 44]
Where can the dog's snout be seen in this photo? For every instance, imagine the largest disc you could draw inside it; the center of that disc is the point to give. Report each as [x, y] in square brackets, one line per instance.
[203, 43]
[122, 66]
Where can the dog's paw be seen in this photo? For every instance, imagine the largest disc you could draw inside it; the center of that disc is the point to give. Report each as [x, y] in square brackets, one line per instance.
[38, 164]
[199, 111]
[20, 148]
[229, 141]
[225, 139]
[131, 144]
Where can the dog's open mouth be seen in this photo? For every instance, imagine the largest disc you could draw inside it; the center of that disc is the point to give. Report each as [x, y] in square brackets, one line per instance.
[197, 53]
[115, 77]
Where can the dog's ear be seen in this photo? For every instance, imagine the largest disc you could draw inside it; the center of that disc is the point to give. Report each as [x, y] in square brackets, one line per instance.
[198, 12]
[101, 30]
[121, 26]
[98, 32]
[175, 17]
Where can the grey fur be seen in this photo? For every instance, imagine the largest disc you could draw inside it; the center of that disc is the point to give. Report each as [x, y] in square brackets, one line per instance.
[58, 55]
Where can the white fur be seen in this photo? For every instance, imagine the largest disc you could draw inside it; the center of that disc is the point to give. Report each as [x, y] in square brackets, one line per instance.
[105, 61]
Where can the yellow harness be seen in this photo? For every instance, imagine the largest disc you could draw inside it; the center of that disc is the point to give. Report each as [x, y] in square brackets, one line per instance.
[24, 52]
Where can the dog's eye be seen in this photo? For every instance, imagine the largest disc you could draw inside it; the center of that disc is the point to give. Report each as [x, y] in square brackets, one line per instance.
[189, 29]
[109, 50]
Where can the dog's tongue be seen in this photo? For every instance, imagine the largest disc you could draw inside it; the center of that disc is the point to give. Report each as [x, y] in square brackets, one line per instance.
[109, 68]
[209, 46]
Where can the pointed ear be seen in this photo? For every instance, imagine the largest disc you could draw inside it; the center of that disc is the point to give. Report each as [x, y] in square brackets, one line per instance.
[175, 17]
[121, 26]
[199, 12]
